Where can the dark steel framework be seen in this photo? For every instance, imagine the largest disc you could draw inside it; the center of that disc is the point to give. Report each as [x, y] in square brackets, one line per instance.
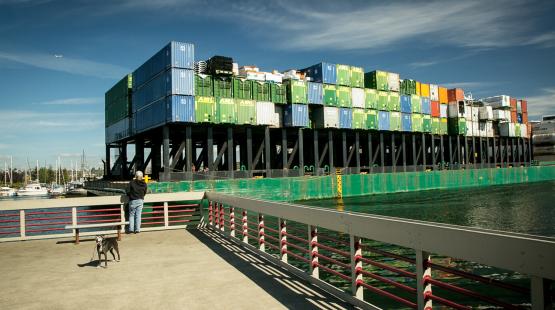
[201, 151]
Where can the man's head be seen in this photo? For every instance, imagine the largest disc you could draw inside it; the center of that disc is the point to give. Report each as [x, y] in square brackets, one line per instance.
[139, 175]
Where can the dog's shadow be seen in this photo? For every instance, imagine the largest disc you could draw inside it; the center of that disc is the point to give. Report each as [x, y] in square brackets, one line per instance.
[94, 263]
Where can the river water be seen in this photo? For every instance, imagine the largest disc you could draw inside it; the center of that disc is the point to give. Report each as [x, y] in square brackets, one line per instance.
[523, 208]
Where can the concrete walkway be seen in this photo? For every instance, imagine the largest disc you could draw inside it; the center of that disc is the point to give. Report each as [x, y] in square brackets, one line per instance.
[181, 269]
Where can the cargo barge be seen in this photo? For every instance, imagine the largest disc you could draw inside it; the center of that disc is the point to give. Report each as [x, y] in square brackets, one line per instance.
[187, 120]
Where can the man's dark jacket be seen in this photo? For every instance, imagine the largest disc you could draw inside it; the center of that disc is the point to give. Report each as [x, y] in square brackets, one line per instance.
[136, 190]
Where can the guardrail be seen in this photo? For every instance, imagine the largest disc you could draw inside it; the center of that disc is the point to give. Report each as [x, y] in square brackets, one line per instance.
[45, 218]
[377, 261]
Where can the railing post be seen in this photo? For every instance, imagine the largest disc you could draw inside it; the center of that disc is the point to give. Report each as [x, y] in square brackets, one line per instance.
[22, 224]
[356, 267]
[245, 227]
[74, 218]
[231, 221]
[210, 215]
[217, 215]
[283, 239]
[222, 217]
[313, 250]
[423, 272]
[540, 294]
[166, 215]
[261, 245]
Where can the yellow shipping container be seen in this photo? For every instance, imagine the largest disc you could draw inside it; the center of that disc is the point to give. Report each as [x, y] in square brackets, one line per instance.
[443, 98]
[418, 88]
[424, 90]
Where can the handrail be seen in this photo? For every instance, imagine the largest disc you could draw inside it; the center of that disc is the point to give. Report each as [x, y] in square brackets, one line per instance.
[527, 254]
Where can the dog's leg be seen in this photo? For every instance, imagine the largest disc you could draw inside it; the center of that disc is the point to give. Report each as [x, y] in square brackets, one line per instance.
[99, 260]
[112, 252]
[117, 251]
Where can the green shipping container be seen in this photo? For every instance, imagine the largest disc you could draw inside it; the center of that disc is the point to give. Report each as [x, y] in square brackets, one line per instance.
[204, 85]
[246, 112]
[205, 109]
[260, 91]
[436, 130]
[296, 91]
[344, 96]
[371, 98]
[443, 128]
[517, 130]
[395, 121]
[357, 77]
[408, 87]
[376, 80]
[383, 101]
[456, 126]
[417, 122]
[223, 87]
[394, 102]
[416, 104]
[372, 119]
[343, 75]
[359, 119]
[278, 93]
[426, 123]
[117, 101]
[242, 88]
[225, 111]
[330, 95]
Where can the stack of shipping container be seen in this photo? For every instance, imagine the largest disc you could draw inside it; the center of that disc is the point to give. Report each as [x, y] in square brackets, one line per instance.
[166, 89]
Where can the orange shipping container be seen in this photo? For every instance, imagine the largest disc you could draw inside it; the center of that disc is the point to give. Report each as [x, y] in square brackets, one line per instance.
[424, 90]
[524, 106]
[513, 116]
[513, 105]
[418, 88]
[455, 94]
[529, 128]
[443, 98]
[525, 117]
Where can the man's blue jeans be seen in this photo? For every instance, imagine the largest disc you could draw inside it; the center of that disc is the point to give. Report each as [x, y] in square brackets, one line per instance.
[135, 210]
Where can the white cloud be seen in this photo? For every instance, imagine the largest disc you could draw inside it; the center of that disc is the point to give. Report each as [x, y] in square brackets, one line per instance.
[17, 122]
[73, 101]
[66, 64]
[542, 104]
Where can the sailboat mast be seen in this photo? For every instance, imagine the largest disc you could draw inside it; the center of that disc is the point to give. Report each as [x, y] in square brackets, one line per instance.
[11, 171]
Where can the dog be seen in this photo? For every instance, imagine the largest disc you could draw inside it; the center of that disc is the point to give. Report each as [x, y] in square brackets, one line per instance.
[105, 245]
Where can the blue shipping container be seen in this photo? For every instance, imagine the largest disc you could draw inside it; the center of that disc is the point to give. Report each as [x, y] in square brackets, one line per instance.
[152, 116]
[180, 109]
[315, 93]
[295, 115]
[175, 54]
[519, 118]
[174, 81]
[405, 104]
[426, 105]
[383, 120]
[406, 122]
[345, 118]
[323, 72]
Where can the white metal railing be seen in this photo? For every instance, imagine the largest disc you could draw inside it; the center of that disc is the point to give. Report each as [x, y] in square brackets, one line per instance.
[45, 218]
[528, 255]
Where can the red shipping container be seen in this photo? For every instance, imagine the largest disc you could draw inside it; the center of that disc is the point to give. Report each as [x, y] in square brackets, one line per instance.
[513, 115]
[455, 94]
[513, 105]
[435, 108]
[524, 106]
[525, 117]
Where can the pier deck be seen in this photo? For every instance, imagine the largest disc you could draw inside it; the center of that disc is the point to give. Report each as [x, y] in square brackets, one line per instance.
[158, 270]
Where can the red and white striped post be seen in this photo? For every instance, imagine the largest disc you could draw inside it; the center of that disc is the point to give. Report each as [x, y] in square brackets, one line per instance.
[231, 221]
[261, 241]
[283, 239]
[313, 251]
[245, 227]
[423, 288]
[222, 217]
[210, 215]
[217, 215]
[356, 267]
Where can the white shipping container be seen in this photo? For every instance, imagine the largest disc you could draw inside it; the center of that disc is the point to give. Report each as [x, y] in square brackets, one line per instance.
[273, 77]
[265, 113]
[291, 75]
[358, 98]
[443, 110]
[475, 111]
[255, 76]
[469, 129]
[502, 101]
[456, 110]
[393, 81]
[485, 113]
[476, 129]
[524, 130]
[434, 92]
[235, 68]
[507, 129]
[500, 115]
[326, 117]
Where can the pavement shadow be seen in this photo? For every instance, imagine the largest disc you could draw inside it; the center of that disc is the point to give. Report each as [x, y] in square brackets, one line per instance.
[289, 290]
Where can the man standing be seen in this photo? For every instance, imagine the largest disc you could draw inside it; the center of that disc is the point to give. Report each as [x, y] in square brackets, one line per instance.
[136, 192]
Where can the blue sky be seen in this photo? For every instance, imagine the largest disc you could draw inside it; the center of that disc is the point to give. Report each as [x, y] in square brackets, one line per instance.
[53, 106]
